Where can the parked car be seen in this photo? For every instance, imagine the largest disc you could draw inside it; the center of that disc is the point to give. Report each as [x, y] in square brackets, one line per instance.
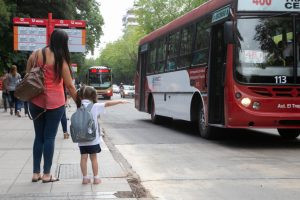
[128, 91]
[115, 88]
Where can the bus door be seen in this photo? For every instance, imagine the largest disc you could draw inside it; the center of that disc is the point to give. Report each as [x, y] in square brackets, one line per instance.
[141, 80]
[216, 76]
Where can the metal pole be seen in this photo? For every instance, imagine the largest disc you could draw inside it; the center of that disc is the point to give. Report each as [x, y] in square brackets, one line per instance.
[50, 28]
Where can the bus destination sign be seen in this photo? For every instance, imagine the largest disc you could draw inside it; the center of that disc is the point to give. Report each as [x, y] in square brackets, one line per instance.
[269, 5]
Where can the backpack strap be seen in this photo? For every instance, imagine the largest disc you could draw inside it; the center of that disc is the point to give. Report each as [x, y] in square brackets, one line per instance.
[89, 107]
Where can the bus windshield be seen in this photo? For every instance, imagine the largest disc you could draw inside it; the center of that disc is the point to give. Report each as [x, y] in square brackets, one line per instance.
[100, 80]
[265, 51]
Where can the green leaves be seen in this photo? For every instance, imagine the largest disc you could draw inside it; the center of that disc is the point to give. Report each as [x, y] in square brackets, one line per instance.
[155, 13]
[61, 9]
[121, 55]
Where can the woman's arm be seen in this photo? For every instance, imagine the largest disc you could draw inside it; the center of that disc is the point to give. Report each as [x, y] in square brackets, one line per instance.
[67, 78]
[115, 102]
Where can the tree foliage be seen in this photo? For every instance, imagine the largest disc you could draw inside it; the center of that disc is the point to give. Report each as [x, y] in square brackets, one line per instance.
[67, 9]
[121, 55]
[156, 13]
[151, 14]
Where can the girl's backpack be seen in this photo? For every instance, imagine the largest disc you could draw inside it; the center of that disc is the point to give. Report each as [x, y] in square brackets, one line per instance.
[83, 128]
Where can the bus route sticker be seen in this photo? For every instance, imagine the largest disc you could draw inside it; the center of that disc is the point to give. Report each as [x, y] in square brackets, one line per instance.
[251, 56]
[288, 106]
[269, 5]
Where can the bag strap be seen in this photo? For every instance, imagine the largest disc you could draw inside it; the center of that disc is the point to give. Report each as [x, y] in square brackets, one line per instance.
[44, 62]
[44, 55]
[89, 107]
[36, 58]
[30, 116]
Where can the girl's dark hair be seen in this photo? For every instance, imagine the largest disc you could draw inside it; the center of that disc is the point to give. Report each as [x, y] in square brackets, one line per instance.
[59, 46]
[86, 92]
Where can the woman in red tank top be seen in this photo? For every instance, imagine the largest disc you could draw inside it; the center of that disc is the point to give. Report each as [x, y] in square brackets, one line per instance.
[50, 103]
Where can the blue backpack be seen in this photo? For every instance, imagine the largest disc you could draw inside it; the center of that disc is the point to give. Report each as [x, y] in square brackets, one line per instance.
[83, 128]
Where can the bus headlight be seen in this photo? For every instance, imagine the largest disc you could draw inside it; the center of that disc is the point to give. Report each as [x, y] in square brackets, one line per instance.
[256, 105]
[246, 102]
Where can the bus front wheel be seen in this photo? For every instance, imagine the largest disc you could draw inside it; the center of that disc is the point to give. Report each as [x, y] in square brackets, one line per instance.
[206, 131]
[154, 117]
[288, 133]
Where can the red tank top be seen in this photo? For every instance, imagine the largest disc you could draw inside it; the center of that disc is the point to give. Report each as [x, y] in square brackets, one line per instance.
[53, 96]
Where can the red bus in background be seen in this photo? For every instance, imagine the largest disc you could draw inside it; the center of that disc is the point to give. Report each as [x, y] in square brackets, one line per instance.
[224, 65]
[100, 77]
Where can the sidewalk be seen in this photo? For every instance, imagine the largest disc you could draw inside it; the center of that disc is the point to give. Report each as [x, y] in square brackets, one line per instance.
[16, 140]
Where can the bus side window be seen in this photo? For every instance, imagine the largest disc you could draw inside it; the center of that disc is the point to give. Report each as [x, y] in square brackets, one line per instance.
[151, 59]
[186, 47]
[200, 55]
[161, 55]
[172, 51]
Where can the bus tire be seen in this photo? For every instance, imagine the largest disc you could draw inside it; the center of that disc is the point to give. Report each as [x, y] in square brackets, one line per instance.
[156, 119]
[206, 131]
[288, 133]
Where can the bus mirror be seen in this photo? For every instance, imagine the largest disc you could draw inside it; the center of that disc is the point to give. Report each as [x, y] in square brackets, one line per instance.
[228, 32]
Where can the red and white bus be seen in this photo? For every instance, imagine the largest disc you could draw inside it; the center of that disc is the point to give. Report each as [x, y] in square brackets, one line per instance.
[224, 64]
[100, 77]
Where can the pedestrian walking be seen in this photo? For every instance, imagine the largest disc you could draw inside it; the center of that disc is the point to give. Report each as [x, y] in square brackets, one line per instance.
[13, 79]
[86, 96]
[63, 121]
[49, 106]
[5, 94]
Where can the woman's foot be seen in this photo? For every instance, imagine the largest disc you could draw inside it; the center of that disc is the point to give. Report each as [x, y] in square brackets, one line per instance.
[66, 135]
[49, 178]
[18, 113]
[11, 112]
[86, 180]
[97, 180]
[36, 177]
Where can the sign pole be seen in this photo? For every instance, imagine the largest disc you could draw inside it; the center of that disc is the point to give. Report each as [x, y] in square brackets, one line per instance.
[50, 28]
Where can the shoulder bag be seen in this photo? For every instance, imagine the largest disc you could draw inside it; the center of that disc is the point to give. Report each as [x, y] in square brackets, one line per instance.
[32, 84]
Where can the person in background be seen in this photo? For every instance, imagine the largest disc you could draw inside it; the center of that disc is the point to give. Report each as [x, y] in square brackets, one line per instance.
[288, 51]
[26, 108]
[5, 95]
[12, 80]
[87, 95]
[49, 106]
[63, 121]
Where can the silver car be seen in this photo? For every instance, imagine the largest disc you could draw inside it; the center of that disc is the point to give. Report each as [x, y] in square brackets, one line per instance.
[128, 91]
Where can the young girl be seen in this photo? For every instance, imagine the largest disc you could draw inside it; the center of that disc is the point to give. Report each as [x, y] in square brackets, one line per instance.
[87, 95]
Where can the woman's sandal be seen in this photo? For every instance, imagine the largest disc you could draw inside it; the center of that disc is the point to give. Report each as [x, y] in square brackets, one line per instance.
[36, 179]
[51, 179]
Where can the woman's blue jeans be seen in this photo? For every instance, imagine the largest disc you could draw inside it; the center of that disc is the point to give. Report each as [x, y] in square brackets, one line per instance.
[45, 127]
[64, 122]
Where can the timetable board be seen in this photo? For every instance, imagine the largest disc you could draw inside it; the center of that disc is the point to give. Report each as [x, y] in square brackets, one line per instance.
[30, 34]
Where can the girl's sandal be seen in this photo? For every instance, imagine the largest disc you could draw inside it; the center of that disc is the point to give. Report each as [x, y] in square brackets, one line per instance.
[97, 180]
[86, 180]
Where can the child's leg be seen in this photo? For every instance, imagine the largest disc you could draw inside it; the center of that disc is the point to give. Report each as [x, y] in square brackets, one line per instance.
[94, 161]
[83, 164]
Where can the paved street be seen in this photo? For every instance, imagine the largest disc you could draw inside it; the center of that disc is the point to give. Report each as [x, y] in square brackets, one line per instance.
[175, 163]
[16, 140]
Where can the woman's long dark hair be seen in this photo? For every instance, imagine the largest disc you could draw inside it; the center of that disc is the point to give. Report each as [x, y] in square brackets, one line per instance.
[59, 46]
